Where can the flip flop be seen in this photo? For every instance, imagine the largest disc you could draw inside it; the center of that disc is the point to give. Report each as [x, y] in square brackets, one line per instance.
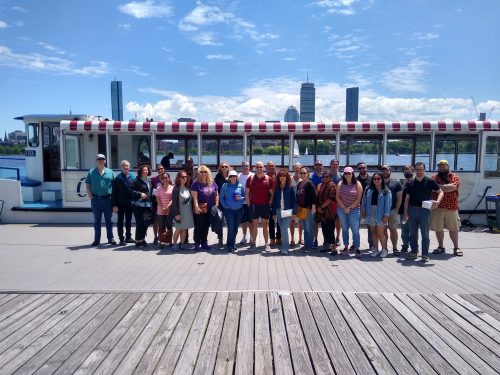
[439, 250]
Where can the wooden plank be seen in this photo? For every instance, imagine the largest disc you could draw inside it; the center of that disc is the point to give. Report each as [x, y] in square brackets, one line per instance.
[208, 351]
[263, 349]
[191, 349]
[103, 306]
[298, 346]
[471, 316]
[473, 345]
[281, 352]
[245, 346]
[435, 335]
[152, 355]
[417, 353]
[7, 297]
[226, 356]
[478, 300]
[474, 309]
[389, 349]
[353, 350]
[94, 359]
[20, 299]
[73, 353]
[336, 351]
[28, 348]
[22, 308]
[370, 347]
[490, 300]
[418, 342]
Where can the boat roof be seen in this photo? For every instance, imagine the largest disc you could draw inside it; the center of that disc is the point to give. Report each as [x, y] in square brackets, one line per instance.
[51, 116]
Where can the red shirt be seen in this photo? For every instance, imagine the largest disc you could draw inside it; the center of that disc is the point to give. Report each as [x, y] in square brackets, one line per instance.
[450, 200]
[259, 189]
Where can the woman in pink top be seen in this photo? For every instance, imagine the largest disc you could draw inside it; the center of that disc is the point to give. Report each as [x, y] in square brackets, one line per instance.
[349, 194]
[164, 199]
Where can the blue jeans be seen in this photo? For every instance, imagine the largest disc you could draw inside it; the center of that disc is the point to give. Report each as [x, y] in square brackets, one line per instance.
[308, 227]
[419, 217]
[99, 207]
[405, 233]
[283, 223]
[351, 221]
[233, 220]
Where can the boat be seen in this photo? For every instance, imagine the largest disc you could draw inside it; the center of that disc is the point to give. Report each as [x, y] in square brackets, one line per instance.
[306, 152]
[60, 150]
[296, 152]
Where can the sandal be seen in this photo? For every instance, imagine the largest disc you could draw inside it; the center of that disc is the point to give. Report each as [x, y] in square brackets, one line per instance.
[292, 243]
[457, 252]
[439, 250]
[301, 242]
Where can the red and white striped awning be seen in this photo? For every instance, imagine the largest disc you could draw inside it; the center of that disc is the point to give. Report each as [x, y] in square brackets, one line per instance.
[275, 128]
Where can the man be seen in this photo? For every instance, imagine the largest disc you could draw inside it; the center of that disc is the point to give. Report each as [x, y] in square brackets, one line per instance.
[417, 191]
[397, 195]
[155, 182]
[99, 186]
[165, 161]
[336, 177]
[446, 214]
[246, 220]
[120, 198]
[274, 228]
[365, 180]
[259, 192]
[316, 178]
[295, 181]
[408, 172]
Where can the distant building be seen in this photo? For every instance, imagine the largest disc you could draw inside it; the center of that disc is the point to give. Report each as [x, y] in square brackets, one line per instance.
[291, 114]
[307, 101]
[116, 100]
[16, 137]
[351, 104]
[186, 119]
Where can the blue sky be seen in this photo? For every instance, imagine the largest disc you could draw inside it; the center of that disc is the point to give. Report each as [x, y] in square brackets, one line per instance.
[225, 60]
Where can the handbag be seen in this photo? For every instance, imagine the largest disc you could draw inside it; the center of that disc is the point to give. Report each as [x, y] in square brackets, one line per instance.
[286, 213]
[302, 212]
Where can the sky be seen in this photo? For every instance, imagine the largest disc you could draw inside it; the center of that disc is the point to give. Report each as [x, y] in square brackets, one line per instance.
[226, 60]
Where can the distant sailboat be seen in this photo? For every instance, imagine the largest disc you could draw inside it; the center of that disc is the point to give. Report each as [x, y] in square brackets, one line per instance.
[307, 152]
[296, 152]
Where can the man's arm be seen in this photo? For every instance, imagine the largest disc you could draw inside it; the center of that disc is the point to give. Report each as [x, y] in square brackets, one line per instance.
[88, 187]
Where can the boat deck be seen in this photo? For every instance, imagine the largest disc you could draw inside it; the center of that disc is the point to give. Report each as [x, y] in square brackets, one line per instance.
[69, 308]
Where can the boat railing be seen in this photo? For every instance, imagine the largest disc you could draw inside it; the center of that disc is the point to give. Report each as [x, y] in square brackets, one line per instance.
[18, 172]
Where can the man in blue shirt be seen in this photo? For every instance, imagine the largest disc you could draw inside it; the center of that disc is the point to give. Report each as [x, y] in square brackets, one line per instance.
[99, 187]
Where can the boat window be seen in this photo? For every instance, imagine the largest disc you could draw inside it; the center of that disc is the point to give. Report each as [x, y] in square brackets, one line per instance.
[303, 151]
[209, 150]
[467, 154]
[33, 135]
[143, 151]
[192, 152]
[399, 151]
[231, 151]
[166, 145]
[459, 151]
[72, 151]
[423, 150]
[492, 157]
[269, 149]
[356, 149]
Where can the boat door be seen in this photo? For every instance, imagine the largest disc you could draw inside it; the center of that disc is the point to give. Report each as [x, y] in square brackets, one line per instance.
[51, 156]
[72, 151]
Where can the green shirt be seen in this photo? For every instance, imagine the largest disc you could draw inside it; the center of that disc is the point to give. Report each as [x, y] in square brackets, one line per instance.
[100, 184]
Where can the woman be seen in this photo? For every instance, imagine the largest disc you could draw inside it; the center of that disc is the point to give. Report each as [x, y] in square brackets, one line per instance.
[141, 192]
[156, 181]
[326, 212]
[181, 209]
[232, 198]
[349, 194]
[205, 195]
[306, 208]
[220, 179]
[283, 207]
[295, 181]
[163, 195]
[376, 209]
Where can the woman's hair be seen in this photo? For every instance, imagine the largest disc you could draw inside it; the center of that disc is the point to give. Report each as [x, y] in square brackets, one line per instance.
[220, 169]
[354, 180]
[382, 185]
[139, 170]
[165, 174]
[209, 174]
[178, 178]
[307, 170]
[288, 178]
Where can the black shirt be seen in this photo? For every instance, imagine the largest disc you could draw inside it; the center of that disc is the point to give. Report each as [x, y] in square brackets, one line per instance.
[394, 186]
[420, 191]
[364, 181]
[402, 207]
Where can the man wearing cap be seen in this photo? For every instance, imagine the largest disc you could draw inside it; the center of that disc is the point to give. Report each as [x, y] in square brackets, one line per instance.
[99, 187]
[365, 180]
[246, 220]
[397, 195]
[316, 178]
[446, 214]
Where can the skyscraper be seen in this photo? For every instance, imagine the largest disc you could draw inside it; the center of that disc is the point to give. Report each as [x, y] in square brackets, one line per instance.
[116, 100]
[351, 104]
[291, 114]
[307, 101]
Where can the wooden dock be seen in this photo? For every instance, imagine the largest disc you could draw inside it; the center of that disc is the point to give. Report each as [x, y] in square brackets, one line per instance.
[68, 308]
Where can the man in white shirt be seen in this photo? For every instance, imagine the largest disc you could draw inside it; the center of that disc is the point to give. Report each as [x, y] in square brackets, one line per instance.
[246, 220]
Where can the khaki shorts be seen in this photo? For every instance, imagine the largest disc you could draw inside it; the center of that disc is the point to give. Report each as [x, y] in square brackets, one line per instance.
[393, 219]
[442, 218]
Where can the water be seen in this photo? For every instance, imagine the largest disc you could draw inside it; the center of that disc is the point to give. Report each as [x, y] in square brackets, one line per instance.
[12, 161]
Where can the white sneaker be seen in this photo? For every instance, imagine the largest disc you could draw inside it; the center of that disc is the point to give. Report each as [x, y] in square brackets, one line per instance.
[267, 248]
[383, 253]
[375, 253]
[243, 240]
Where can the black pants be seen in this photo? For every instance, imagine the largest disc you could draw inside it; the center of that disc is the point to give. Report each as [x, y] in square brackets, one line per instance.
[164, 223]
[328, 229]
[201, 226]
[142, 221]
[274, 229]
[124, 212]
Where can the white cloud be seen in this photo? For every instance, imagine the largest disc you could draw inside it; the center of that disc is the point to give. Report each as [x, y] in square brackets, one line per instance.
[52, 48]
[203, 17]
[342, 7]
[136, 70]
[19, 23]
[3, 24]
[124, 26]
[220, 57]
[289, 59]
[424, 36]
[147, 9]
[408, 78]
[19, 9]
[347, 46]
[47, 64]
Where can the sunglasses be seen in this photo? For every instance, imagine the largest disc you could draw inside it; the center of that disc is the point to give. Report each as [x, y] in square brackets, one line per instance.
[303, 172]
[245, 166]
[224, 166]
[361, 168]
[376, 179]
[259, 167]
[348, 173]
[165, 178]
[184, 176]
[204, 172]
[282, 175]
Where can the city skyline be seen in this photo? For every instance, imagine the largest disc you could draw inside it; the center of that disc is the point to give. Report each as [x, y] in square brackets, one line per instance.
[214, 60]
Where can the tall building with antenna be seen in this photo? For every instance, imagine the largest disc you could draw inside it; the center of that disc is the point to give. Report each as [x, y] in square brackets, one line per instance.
[116, 100]
[307, 101]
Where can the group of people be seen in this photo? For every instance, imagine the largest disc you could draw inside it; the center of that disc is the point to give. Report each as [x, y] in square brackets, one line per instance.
[338, 202]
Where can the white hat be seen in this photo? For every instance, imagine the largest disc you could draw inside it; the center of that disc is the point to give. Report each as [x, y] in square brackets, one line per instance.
[100, 156]
[232, 173]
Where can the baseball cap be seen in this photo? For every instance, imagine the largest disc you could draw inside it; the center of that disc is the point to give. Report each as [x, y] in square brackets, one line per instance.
[443, 161]
[318, 162]
[385, 167]
[232, 173]
[100, 156]
[348, 169]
